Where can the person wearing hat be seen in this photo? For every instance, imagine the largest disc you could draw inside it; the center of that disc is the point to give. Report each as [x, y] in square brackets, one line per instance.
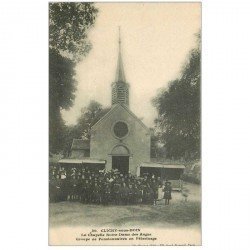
[167, 192]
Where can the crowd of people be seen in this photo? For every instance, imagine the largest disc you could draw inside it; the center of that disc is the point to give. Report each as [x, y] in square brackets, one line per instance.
[105, 187]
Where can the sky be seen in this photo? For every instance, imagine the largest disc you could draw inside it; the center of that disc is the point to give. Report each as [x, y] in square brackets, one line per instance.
[156, 39]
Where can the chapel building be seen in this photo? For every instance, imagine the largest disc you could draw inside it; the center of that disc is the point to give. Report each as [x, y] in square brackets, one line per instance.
[119, 140]
[119, 137]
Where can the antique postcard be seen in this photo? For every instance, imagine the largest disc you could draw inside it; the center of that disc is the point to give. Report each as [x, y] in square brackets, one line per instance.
[124, 123]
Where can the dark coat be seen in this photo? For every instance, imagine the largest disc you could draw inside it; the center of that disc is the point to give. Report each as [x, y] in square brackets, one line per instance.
[167, 192]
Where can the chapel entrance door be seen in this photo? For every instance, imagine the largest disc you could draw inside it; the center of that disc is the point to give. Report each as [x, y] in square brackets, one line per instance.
[121, 163]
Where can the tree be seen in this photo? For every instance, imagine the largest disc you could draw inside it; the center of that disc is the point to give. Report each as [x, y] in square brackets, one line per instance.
[88, 117]
[178, 109]
[68, 27]
[68, 44]
[61, 96]
[71, 132]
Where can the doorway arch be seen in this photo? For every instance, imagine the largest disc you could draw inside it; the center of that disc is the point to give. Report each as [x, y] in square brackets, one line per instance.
[120, 150]
[120, 158]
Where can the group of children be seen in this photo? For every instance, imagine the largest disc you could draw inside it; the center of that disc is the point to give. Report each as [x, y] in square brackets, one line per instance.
[106, 187]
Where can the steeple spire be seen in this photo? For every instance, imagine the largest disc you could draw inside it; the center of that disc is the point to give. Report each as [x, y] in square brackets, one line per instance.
[120, 88]
[120, 38]
[120, 75]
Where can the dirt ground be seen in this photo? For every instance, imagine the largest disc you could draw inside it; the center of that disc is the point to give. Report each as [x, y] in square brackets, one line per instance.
[178, 214]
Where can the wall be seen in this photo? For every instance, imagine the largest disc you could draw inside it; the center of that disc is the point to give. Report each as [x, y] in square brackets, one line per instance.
[79, 153]
[103, 141]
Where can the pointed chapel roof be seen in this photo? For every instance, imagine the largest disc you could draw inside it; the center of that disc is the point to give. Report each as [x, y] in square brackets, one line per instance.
[120, 75]
[116, 106]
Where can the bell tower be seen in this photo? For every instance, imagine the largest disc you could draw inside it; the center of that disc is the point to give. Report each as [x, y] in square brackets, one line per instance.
[120, 88]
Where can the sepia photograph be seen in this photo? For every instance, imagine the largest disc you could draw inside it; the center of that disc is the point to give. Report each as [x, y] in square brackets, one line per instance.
[124, 123]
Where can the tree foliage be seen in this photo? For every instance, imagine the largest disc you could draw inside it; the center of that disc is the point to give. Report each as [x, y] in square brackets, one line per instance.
[62, 85]
[88, 117]
[178, 109]
[68, 27]
[57, 131]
